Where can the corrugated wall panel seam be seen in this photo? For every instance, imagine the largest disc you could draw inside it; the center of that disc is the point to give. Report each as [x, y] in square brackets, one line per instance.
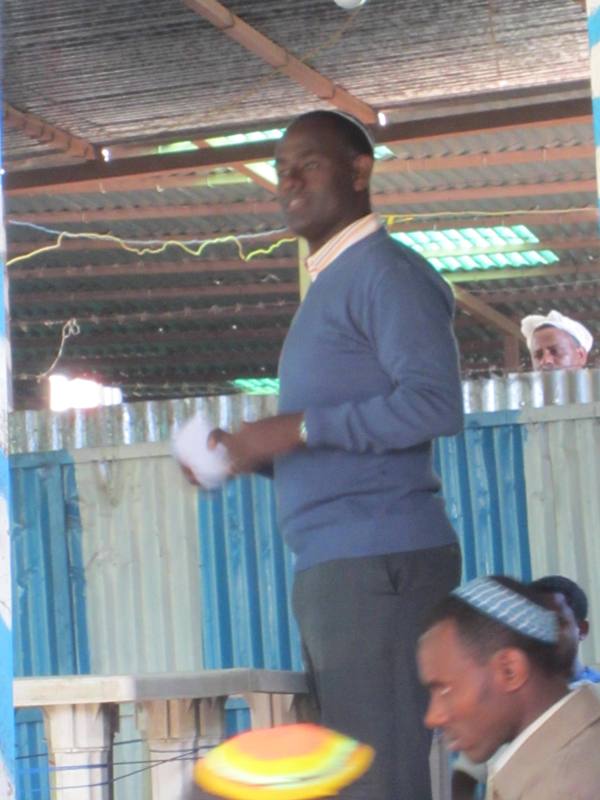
[562, 463]
[483, 485]
[246, 579]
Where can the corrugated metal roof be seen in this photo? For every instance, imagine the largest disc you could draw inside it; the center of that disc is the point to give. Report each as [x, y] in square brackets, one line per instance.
[167, 46]
[132, 76]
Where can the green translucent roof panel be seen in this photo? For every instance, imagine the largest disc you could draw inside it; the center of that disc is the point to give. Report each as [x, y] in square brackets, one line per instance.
[176, 147]
[245, 138]
[500, 247]
[257, 385]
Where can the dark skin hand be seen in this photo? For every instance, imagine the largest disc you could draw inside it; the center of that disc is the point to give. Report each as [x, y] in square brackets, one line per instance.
[256, 444]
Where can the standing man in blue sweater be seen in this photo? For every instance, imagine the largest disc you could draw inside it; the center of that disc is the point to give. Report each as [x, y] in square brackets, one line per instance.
[369, 377]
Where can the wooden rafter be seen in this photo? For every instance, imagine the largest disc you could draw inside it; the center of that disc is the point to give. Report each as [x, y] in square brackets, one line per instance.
[42, 131]
[398, 165]
[392, 200]
[540, 155]
[146, 267]
[541, 294]
[279, 58]
[484, 312]
[224, 310]
[100, 176]
[247, 171]
[137, 365]
[210, 292]
[202, 335]
[481, 219]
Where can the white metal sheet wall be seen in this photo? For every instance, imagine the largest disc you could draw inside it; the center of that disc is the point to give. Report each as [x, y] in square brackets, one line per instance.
[562, 467]
[141, 560]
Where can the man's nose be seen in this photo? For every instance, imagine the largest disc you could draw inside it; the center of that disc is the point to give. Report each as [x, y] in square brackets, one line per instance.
[547, 360]
[435, 716]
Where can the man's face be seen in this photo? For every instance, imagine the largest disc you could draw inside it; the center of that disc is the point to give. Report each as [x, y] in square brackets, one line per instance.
[463, 698]
[552, 348]
[318, 182]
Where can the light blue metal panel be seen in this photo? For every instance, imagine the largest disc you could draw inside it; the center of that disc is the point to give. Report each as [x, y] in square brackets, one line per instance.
[31, 755]
[483, 483]
[48, 594]
[48, 589]
[246, 574]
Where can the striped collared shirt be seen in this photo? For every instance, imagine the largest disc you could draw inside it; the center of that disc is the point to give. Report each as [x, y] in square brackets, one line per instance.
[350, 235]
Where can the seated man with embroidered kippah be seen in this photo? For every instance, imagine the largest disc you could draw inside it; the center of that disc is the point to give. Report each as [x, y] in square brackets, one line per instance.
[556, 341]
[563, 595]
[497, 669]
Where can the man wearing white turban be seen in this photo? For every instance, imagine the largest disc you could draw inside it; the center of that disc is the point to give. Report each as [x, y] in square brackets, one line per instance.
[556, 341]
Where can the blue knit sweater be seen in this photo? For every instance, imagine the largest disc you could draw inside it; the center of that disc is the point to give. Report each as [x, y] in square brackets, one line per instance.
[371, 358]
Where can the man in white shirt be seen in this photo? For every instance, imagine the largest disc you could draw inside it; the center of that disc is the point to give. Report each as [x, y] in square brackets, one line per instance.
[491, 659]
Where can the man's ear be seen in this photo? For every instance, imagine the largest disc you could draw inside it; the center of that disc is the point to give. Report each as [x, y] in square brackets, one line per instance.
[581, 357]
[584, 629]
[511, 669]
[362, 167]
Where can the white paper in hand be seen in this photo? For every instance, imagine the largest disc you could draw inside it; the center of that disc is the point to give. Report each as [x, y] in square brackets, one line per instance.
[209, 467]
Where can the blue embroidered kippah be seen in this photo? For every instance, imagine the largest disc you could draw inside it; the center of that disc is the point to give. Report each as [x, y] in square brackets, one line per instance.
[510, 608]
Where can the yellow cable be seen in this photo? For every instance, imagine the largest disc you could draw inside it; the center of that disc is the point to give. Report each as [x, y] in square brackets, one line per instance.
[193, 251]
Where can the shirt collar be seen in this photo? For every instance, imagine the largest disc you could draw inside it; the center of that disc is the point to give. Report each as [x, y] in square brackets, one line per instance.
[506, 753]
[351, 234]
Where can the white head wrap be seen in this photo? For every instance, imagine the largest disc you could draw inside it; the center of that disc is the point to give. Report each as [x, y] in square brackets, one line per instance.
[555, 319]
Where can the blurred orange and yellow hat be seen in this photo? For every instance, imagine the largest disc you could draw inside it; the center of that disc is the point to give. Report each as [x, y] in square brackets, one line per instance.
[288, 762]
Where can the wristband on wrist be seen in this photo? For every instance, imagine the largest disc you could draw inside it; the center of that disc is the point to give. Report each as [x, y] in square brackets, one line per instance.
[303, 432]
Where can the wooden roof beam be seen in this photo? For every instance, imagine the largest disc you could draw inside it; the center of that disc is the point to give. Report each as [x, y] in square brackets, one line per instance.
[145, 267]
[241, 335]
[100, 176]
[540, 155]
[540, 293]
[209, 292]
[484, 312]
[140, 364]
[532, 217]
[39, 130]
[217, 312]
[387, 201]
[279, 58]
[540, 115]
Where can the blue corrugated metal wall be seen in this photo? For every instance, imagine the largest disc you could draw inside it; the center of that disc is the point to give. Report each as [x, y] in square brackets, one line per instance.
[483, 482]
[50, 635]
[246, 571]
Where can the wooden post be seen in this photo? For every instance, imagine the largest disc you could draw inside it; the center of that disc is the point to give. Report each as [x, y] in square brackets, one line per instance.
[511, 353]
